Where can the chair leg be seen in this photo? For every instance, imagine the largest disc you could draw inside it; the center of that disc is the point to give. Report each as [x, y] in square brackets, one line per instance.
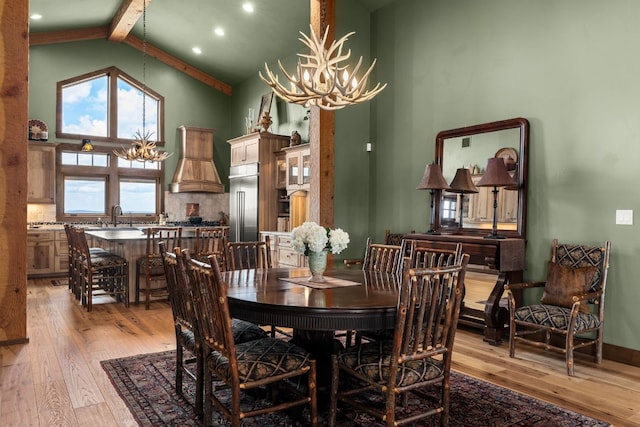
[147, 292]
[333, 404]
[569, 356]
[199, 380]
[179, 362]
[137, 296]
[512, 338]
[444, 416]
[313, 394]
[208, 388]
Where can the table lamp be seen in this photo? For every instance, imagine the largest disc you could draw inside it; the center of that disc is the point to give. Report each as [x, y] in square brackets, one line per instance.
[462, 184]
[433, 181]
[496, 175]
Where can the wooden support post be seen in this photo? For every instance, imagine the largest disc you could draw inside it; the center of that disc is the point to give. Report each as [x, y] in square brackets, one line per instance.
[322, 131]
[14, 96]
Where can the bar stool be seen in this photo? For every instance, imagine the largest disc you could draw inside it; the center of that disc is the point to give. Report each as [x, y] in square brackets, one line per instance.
[99, 272]
[150, 264]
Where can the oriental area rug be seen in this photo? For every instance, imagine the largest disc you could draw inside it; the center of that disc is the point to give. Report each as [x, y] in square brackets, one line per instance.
[146, 383]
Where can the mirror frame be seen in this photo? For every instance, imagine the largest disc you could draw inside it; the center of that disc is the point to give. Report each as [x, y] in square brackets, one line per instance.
[518, 122]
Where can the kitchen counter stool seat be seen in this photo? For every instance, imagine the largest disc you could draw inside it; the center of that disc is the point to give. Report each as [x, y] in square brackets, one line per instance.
[98, 272]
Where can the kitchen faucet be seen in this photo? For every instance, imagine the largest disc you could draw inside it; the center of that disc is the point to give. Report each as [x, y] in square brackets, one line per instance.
[115, 211]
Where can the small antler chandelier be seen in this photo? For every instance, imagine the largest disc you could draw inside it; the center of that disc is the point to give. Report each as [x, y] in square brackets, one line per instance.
[324, 78]
[142, 149]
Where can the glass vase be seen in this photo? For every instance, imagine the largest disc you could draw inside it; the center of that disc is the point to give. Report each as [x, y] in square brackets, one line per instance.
[317, 265]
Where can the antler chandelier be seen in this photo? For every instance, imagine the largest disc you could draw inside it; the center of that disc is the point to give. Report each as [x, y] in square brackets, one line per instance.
[323, 78]
[142, 149]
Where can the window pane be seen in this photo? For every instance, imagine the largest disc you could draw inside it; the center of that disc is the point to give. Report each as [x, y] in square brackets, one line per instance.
[132, 164]
[138, 196]
[130, 117]
[69, 158]
[84, 107]
[84, 195]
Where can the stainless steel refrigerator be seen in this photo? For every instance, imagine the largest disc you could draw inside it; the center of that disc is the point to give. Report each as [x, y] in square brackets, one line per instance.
[243, 205]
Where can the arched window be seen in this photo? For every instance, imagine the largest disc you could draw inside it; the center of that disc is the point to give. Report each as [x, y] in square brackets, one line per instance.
[107, 105]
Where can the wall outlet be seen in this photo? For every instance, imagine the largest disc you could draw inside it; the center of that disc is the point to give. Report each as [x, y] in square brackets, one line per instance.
[624, 217]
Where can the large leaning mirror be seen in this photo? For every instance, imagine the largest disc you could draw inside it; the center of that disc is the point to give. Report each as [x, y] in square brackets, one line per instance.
[470, 147]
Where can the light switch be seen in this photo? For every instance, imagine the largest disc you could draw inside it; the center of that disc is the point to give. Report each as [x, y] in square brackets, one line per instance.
[624, 217]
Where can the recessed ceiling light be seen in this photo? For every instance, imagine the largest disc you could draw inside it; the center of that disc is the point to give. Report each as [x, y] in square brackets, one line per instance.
[196, 50]
[219, 31]
[248, 7]
[36, 16]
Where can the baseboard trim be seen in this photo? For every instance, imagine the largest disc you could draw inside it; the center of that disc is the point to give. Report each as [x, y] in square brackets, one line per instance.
[621, 354]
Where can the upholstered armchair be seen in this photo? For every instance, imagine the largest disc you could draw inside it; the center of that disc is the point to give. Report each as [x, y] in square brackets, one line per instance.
[570, 314]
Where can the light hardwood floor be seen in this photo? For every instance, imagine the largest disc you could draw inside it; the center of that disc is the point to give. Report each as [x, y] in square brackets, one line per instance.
[56, 379]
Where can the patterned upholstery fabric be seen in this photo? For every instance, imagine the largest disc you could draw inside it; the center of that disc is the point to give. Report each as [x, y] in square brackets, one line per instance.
[100, 260]
[244, 331]
[373, 359]
[581, 256]
[260, 359]
[188, 340]
[155, 262]
[554, 316]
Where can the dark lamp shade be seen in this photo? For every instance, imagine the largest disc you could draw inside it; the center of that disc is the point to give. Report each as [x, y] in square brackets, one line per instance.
[433, 179]
[496, 174]
[462, 182]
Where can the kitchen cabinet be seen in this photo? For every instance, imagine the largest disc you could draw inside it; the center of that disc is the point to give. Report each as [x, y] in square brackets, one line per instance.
[282, 254]
[245, 151]
[298, 159]
[40, 252]
[263, 148]
[42, 173]
[61, 253]
[47, 253]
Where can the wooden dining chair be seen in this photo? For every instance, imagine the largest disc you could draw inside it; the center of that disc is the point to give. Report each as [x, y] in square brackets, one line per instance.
[419, 257]
[150, 264]
[186, 325]
[210, 241]
[384, 258]
[570, 314]
[99, 272]
[418, 356]
[244, 366]
[244, 255]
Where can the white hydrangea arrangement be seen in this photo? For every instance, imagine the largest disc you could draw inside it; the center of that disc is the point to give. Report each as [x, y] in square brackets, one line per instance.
[311, 237]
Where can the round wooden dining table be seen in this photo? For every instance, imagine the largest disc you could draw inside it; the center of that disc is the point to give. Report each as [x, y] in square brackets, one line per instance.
[352, 299]
[284, 297]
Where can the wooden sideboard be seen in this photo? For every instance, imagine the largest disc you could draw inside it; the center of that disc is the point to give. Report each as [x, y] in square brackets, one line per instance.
[505, 256]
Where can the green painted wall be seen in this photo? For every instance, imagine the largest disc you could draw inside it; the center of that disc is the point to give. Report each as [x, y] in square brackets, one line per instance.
[570, 68]
[187, 101]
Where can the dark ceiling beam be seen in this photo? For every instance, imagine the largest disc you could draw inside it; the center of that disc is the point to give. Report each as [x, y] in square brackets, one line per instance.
[63, 36]
[125, 18]
[178, 64]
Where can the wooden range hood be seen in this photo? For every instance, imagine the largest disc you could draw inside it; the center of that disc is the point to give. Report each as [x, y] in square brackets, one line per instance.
[196, 172]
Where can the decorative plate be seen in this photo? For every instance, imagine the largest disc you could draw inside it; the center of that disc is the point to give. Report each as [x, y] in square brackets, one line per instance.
[510, 156]
[35, 129]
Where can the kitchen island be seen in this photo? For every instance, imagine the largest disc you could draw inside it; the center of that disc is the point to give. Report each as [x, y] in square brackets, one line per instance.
[130, 243]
